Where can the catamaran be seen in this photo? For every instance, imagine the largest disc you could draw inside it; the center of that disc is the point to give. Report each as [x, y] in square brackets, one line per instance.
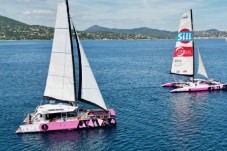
[184, 61]
[63, 112]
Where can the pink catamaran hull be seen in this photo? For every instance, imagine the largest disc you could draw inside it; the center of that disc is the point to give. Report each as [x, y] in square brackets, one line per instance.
[71, 124]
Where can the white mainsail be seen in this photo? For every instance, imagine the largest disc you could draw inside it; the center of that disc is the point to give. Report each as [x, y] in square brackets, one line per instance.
[201, 67]
[183, 54]
[89, 90]
[60, 80]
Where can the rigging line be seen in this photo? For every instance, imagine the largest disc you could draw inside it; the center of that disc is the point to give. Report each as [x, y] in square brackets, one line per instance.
[61, 28]
[62, 52]
[193, 45]
[52, 98]
[59, 76]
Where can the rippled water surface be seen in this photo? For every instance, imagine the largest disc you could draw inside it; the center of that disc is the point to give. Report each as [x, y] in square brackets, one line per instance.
[130, 74]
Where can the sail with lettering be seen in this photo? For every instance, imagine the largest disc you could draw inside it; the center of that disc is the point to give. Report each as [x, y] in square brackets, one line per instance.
[183, 60]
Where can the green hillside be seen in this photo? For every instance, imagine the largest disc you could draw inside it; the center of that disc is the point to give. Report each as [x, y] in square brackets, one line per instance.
[14, 30]
[149, 33]
[8, 21]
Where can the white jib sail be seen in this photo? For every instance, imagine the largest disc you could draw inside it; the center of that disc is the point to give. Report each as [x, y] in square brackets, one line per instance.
[201, 67]
[60, 80]
[183, 54]
[89, 90]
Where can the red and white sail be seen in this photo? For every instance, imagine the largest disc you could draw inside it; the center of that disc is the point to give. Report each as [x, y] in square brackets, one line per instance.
[183, 54]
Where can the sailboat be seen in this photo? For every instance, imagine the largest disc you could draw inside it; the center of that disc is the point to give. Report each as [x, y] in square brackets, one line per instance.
[63, 112]
[184, 61]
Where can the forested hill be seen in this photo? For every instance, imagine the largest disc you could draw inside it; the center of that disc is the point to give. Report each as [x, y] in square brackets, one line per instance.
[14, 30]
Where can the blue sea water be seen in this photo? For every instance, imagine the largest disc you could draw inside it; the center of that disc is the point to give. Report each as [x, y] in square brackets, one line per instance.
[130, 75]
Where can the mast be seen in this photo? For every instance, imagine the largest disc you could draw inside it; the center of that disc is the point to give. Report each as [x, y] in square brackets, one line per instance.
[74, 75]
[79, 60]
[193, 76]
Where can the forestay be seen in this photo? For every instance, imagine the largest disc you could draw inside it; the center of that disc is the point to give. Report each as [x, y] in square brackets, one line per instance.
[183, 54]
[60, 80]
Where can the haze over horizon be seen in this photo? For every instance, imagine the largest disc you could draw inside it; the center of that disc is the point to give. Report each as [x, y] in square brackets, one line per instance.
[127, 14]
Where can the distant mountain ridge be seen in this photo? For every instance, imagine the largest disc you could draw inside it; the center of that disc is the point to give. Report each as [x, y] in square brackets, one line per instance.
[156, 32]
[142, 30]
[96, 28]
[15, 30]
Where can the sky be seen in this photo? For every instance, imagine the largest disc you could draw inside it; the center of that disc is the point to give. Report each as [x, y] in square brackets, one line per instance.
[121, 14]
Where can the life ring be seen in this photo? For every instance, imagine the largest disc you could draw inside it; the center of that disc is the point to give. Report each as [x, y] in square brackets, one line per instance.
[102, 116]
[44, 127]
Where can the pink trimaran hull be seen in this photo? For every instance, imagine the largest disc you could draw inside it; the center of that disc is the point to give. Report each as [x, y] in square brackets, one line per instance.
[202, 88]
[168, 85]
[175, 84]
